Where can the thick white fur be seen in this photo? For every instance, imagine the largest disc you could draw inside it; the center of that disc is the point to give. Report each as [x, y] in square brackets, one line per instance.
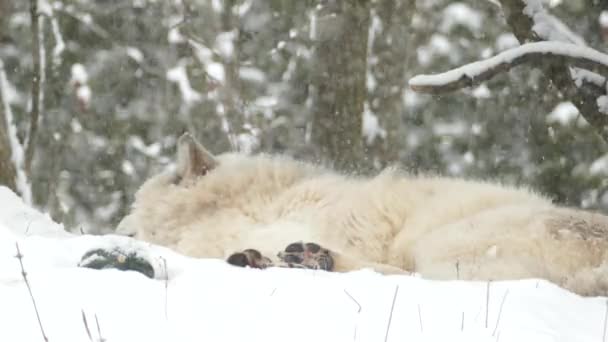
[392, 222]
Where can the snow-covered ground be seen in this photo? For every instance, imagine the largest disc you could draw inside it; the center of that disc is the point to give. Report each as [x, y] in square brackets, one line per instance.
[208, 300]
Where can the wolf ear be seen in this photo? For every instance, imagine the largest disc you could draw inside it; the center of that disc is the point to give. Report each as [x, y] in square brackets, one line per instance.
[192, 158]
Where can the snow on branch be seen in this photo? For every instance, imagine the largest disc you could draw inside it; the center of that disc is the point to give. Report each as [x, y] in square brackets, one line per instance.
[7, 94]
[539, 53]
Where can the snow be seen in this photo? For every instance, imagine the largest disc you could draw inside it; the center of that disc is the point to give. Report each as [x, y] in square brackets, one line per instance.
[59, 42]
[549, 27]
[603, 19]
[599, 166]
[178, 75]
[174, 36]
[474, 69]
[42, 76]
[152, 150]
[79, 78]
[482, 92]
[45, 8]
[202, 53]
[266, 101]
[371, 126]
[581, 76]
[224, 43]
[252, 74]
[7, 95]
[207, 300]
[438, 45]
[135, 54]
[506, 41]
[247, 143]
[564, 114]
[457, 128]
[79, 74]
[216, 71]
[375, 29]
[602, 104]
[460, 14]
[313, 26]
[127, 168]
[243, 8]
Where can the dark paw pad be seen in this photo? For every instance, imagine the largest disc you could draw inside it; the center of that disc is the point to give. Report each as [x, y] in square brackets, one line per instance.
[249, 257]
[117, 259]
[307, 255]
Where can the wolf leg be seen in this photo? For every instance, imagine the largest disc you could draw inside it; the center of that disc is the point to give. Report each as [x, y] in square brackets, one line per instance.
[347, 263]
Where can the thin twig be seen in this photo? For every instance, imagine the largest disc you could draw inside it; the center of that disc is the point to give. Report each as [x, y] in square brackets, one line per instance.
[86, 325]
[166, 286]
[273, 291]
[487, 301]
[27, 229]
[101, 339]
[420, 318]
[462, 322]
[358, 312]
[29, 289]
[390, 317]
[354, 300]
[457, 270]
[504, 297]
[605, 322]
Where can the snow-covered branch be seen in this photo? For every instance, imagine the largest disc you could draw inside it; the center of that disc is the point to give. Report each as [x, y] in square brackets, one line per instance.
[578, 72]
[539, 53]
[14, 147]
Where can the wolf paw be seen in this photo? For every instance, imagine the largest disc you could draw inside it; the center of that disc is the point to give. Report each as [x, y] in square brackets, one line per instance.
[118, 259]
[249, 257]
[307, 255]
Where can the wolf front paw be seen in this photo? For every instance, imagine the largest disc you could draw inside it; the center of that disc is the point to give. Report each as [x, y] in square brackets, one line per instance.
[118, 259]
[307, 255]
[249, 257]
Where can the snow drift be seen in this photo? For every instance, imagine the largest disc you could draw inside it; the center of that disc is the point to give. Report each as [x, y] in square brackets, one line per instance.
[208, 300]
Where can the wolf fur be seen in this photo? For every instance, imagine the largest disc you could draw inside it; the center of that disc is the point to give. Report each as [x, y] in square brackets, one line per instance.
[442, 228]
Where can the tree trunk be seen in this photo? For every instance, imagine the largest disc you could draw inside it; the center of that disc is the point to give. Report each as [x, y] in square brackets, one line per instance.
[231, 91]
[6, 8]
[339, 81]
[30, 144]
[8, 173]
[390, 50]
[7, 168]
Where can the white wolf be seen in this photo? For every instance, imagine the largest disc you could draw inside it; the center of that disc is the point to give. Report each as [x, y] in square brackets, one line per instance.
[442, 228]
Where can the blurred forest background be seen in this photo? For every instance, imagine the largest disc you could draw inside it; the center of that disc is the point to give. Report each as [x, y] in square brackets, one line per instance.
[121, 80]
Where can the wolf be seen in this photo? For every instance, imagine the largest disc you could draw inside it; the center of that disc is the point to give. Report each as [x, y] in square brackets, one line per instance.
[271, 210]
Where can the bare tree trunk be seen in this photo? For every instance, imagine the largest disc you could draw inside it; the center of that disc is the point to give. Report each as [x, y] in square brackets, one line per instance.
[8, 173]
[6, 8]
[35, 113]
[390, 49]
[339, 81]
[231, 90]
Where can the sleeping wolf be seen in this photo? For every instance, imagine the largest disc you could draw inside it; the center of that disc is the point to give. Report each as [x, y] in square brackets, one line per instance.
[249, 208]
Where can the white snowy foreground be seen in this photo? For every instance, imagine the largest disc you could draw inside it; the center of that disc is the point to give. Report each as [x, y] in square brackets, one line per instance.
[208, 300]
